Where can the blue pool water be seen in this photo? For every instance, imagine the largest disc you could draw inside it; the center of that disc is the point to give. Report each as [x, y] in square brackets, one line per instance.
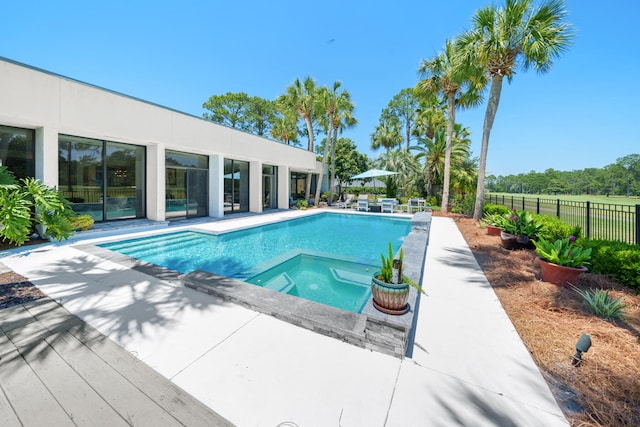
[246, 253]
[330, 281]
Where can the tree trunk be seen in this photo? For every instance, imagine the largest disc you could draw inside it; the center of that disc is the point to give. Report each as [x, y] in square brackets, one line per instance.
[408, 134]
[489, 116]
[307, 192]
[333, 165]
[447, 157]
[324, 163]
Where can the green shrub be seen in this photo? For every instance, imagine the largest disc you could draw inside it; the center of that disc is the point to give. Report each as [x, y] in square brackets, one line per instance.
[602, 304]
[554, 229]
[302, 204]
[490, 208]
[619, 259]
[82, 222]
[29, 204]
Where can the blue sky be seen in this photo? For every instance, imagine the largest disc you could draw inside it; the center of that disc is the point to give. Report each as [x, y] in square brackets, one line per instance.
[583, 113]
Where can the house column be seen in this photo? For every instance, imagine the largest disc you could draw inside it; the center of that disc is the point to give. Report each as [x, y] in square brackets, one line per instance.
[255, 187]
[284, 186]
[216, 186]
[156, 184]
[47, 156]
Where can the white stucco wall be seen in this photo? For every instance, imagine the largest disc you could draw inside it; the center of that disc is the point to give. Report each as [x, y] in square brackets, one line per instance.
[53, 105]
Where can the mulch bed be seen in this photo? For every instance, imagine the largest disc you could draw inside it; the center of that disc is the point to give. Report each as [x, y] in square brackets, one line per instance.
[16, 289]
[605, 390]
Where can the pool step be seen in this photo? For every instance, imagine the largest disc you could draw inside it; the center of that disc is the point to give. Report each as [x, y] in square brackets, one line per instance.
[350, 277]
[281, 283]
[161, 242]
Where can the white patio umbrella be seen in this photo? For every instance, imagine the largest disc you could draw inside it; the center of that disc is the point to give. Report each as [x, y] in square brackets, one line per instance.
[373, 173]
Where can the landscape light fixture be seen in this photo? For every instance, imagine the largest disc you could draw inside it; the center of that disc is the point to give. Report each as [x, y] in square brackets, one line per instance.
[582, 346]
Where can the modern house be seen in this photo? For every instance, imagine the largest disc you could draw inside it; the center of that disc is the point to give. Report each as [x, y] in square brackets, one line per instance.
[117, 157]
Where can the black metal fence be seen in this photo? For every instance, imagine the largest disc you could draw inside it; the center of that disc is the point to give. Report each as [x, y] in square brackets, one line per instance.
[597, 220]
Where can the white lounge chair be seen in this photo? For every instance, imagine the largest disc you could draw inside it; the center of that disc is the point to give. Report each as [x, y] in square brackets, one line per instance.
[346, 203]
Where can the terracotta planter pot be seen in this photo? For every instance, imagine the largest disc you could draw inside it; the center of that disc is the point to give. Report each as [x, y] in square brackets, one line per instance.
[559, 274]
[492, 230]
[511, 241]
[388, 297]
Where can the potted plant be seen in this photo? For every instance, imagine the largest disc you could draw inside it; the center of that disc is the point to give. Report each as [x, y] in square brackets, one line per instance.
[389, 287]
[493, 222]
[561, 262]
[519, 230]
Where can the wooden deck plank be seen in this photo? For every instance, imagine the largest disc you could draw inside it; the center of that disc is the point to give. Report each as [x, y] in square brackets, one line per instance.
[184, 407]
[83, 405]
[8, 417]
[31, 401]
[14, 317]
[133, 405]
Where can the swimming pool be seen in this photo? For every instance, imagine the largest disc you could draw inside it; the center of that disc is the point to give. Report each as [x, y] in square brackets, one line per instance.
[353, 241]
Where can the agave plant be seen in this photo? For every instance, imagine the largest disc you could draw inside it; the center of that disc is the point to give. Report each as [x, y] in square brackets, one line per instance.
[602, 304]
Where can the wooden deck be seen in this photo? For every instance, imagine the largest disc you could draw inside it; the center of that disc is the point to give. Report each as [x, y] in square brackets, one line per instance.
[56, 370]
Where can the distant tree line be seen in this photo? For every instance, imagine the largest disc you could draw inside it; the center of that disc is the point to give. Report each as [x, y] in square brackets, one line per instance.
[621, 178]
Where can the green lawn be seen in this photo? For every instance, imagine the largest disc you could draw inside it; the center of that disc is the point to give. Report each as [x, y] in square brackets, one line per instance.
[615, 200]
[611, 218]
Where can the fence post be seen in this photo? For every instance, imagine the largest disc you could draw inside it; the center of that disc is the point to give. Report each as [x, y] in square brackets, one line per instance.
[522, 202]
[538, 205]
[512, 206]
[558, 208]
[588, 236]
[637, 224]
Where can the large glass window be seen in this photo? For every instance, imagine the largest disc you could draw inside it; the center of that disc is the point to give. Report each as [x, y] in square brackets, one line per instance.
[299, 185]
[103, 179]
[269, 187]
[236, 186]
[17, 148]
[187, 184]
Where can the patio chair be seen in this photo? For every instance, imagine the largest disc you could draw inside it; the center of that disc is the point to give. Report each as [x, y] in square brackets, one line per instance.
[363, 203]
[414, 204]
[386, 205]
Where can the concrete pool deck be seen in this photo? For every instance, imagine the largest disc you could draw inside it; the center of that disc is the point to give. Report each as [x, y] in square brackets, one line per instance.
[468, 366]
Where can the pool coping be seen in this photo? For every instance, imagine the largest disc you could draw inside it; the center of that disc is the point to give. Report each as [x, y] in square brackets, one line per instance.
[371, 329]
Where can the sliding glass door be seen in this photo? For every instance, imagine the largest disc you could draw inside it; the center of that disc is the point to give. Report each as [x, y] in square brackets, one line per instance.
[187, 185]
[101, 178]
[236, 186]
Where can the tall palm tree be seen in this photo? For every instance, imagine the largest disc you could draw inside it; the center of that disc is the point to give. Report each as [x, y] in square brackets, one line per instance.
[338, 115]
[503, 39]
[460, 83]
[302, 97]
[342, 119]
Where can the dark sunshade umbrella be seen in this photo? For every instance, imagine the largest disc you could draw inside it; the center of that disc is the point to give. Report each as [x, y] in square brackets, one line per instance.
[372, 173]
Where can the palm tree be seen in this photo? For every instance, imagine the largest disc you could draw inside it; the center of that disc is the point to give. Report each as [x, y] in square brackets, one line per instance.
[302, 97]
[434, 153]
[387, 135]
[403, 162]
[342, 119]
[285, 128]
[338, 114]
[461, 84]
[503, 39]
